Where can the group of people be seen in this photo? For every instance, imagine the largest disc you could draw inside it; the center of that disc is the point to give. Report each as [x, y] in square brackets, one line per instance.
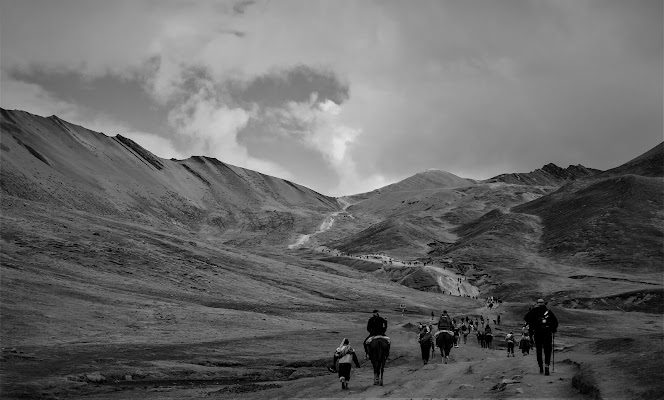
[539, 329]
[344, 355]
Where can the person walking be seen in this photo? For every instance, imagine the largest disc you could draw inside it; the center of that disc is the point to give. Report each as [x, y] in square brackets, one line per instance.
[510, 340]
[488, 336]
[542, 324]
[346, 355]
[524, 344]
[425, 342]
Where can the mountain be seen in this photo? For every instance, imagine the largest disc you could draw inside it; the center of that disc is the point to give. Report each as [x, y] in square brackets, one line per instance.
[431, 179]
[650, 163]
[64, 165]
[548, 175]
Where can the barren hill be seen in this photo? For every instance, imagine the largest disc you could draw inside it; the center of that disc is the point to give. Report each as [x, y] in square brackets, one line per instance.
[548, 175]
[650, 163]
[54, 162]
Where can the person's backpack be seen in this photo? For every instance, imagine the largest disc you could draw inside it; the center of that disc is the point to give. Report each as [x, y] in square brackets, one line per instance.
[544, 322]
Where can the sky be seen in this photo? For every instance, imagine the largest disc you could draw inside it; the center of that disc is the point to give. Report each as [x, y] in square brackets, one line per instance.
[348, 96]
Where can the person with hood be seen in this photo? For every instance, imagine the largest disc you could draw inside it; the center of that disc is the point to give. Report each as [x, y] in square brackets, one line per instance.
[345, 356]
[425, 340]
[542, 325]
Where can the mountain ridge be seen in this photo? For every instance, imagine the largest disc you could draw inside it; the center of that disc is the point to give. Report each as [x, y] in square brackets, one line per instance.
[53, 161]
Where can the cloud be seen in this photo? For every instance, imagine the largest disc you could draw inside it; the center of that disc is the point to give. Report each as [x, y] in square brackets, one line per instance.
[209, 126]
[470, 87]
[320, 125]
[30, 97]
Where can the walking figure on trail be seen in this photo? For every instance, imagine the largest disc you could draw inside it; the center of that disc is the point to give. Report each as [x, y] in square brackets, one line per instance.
[425, 340]
[465, 330]
[542, 327]
[510, 340]
[346, 355]
[488, 336]
[524, 344]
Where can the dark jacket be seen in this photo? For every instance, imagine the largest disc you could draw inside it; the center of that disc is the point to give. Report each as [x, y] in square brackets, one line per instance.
[425, 338]
[376, 326]
[541, 321]
[445, 323]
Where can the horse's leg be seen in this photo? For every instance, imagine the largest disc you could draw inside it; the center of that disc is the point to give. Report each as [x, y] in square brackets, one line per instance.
[382, 369]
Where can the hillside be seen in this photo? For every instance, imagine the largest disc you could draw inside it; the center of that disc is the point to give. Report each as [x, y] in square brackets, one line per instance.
[650, 163]
[431, 179]
[613, 223]
[64, 165]
[548, 175]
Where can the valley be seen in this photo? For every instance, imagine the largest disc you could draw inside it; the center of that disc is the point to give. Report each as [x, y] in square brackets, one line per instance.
[124, 275]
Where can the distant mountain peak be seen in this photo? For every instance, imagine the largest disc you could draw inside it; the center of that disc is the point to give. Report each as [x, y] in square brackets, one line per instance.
[549, 175]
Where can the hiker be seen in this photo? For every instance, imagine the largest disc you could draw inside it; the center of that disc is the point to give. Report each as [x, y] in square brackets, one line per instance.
[488, 336]
[376, 326]
[426, 341]
[432, 315]
[524, 344]
[509, 339]
[464, 331]
[498, 319]
[346, 355]
[457, 337]
[542, 325]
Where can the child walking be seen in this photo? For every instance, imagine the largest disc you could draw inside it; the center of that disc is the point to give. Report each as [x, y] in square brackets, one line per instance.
[346, 355]
[509, 338]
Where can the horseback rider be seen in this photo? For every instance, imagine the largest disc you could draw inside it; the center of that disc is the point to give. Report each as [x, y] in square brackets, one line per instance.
[445, 322]
[542, 324]
[376, 326]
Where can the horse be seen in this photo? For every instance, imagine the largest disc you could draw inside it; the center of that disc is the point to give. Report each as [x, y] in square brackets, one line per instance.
[488, 337]
[379, 350]
[445, 341]
[480, 339]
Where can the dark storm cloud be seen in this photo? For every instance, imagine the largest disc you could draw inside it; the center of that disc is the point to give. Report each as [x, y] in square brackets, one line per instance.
[124, 99]
[277, 88]
[241, 6]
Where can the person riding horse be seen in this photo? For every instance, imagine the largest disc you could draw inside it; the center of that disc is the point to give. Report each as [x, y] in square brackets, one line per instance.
[376, 326]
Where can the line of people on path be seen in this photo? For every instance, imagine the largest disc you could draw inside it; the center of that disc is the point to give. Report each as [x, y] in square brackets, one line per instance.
[538, 331]
[344, 354]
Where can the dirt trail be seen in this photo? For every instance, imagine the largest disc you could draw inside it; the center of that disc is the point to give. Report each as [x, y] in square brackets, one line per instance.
[324, 226]
[473, 372]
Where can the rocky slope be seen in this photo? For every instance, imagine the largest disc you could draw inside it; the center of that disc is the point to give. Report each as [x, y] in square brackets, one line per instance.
[51, 161]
